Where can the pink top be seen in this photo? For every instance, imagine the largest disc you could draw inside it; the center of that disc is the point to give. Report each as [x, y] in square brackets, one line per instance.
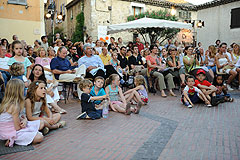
[7, 129]
[43, 61]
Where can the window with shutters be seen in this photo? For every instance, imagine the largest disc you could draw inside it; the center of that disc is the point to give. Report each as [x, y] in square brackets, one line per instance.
[137, 8]
[20, 2]
[235, 18]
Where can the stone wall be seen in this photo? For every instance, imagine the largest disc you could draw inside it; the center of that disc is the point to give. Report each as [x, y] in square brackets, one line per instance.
[217, 25]
[97, 12]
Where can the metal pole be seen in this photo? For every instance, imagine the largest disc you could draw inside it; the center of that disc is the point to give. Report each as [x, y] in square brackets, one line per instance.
[53, 29]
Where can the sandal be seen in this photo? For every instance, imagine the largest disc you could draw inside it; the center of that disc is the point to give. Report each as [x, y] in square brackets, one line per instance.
[128, 109]
[7, 143]
[164, 96]
[45, 131]
[61, 124]
[62, 111]
[172, 94]
[139, 105]
[230, 100]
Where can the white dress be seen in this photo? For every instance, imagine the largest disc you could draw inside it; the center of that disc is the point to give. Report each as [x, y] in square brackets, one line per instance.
[223, 61]
[24, 136]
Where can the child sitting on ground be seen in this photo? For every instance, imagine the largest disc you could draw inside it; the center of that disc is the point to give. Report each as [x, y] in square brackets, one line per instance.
[36, 107]
[206, 87]
[192, 95]
[117, 100]
[17, 72]
[13, 127]
[88, 107]
[139, 93]
[97, 90]
[222, 88]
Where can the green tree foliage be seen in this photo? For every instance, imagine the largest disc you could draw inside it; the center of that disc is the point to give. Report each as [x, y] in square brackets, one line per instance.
[78, 35]
[154, 34]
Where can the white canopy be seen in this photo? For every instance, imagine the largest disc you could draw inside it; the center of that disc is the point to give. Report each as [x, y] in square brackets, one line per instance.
[147, 23]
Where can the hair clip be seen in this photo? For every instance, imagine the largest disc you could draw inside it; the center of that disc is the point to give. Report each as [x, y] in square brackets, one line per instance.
[37, 83]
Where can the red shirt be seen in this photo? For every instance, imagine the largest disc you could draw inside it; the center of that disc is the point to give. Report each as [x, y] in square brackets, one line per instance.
[153, 61]
[140, 46]
[204, 82]
[8, 55]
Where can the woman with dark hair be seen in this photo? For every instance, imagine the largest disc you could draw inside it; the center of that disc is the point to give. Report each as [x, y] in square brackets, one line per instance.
[52, 95]
[130, 46]
[4, 42]
[158, 69]
[192, 64]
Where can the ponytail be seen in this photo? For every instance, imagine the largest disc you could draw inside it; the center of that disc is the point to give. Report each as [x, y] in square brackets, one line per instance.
[110, 79]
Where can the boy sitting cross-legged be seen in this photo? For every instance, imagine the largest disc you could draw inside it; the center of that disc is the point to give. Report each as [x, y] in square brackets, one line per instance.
[206, 87]
[97, 90]
[88, 107]
[192, 94]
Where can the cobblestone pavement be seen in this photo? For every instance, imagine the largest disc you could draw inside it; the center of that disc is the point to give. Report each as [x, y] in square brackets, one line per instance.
[163, 130]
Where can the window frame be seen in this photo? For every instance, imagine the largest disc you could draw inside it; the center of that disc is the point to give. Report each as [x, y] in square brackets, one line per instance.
[137, 5]
[17, 2]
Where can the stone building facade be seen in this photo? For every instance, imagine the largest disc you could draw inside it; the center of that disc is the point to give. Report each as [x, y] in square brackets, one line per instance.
[106, 12]
[218, 18]
[22, 18]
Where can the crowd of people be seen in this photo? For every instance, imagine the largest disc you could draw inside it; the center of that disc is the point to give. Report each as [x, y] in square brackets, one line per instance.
[114, 76]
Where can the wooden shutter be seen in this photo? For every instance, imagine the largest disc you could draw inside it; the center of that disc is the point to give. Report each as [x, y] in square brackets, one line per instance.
[235, 18]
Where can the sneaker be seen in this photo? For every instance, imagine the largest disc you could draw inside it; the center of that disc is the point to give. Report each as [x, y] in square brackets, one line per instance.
[128, 109]
[62, 97]
[45, 131]
[209, 105]
[229, 87]
[189, 106]
[82, 116]
[186, 103]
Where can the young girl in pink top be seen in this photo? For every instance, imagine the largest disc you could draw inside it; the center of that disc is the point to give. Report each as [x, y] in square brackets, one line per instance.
[13, 127]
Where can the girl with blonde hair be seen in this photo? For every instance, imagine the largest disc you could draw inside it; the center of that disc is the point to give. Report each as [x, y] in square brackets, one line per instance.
[117, 100]
[14, 127]
[139, 93]
[210, 58]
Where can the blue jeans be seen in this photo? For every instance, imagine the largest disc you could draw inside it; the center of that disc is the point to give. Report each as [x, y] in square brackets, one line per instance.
[214, 69]
[6, 76]
[95, 114]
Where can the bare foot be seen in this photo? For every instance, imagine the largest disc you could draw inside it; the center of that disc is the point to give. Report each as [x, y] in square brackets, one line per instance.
[172, 94]
[7, 143]
[163, 94]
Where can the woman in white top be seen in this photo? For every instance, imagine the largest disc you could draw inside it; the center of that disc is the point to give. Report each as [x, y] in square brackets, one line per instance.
[210, 58]
[225, 65]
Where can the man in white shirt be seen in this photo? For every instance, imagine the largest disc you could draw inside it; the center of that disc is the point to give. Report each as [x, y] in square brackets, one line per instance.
[4, 68]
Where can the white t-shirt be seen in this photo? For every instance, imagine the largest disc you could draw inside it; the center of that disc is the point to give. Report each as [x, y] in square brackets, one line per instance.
[56, 49]
[4, 63]
[191, 91]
